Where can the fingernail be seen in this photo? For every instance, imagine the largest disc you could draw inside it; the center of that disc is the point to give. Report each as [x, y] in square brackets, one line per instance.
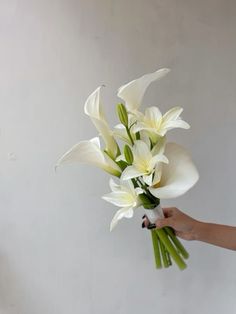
[143, 216]
[143, 225]
[151, 226]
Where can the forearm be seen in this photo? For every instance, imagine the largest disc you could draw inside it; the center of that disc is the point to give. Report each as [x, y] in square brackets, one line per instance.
[220, 235]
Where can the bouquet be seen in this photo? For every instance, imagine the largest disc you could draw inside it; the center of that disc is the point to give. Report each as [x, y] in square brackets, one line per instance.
[147, 168]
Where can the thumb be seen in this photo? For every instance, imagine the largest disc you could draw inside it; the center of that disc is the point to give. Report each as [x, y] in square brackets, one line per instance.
[160, 223]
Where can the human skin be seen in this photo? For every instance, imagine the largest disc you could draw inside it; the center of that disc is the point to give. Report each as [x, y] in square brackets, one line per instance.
[189, 228]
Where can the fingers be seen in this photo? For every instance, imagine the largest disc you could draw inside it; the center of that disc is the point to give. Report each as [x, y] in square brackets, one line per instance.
[169, 220]
[145, 222]
[168, 211]
[160, 223]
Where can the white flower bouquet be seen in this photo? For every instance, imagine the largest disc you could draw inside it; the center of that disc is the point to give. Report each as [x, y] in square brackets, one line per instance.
[147, 167]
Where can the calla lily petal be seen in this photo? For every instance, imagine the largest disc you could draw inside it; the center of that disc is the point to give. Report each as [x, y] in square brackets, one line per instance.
[133, 92]
[93, 108]
[178, 176]
[90, 152]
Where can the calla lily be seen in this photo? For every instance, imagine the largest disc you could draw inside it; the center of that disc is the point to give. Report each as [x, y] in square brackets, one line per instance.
[125, 196]
[157, 125]
[133, 92]
[93, 108]
[144, 162]
[177, 177]
[91, 153]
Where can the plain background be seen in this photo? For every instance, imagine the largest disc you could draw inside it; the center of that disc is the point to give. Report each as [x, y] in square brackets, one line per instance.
[57, 255]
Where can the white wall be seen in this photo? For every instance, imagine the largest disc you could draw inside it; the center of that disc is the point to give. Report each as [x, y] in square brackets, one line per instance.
[56, 253]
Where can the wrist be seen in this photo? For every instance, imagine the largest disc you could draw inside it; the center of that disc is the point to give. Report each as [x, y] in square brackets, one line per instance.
[197, 230]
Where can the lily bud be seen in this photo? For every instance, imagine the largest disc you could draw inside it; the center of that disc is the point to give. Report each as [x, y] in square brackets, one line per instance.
[128, 154]
[122, 114]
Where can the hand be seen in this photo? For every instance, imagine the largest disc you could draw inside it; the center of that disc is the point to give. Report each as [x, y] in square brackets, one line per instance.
[183, 225]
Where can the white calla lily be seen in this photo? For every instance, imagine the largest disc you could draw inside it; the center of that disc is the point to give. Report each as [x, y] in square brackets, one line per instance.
[91, 153]
[177, 177]
[144, 162]
[93, 108]
[133, 92]
[157, 125]
[125, 196]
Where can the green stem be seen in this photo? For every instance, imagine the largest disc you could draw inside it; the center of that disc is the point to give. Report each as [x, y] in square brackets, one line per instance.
[129, 135]
[156, 249]
[163, 254]
[171, 249]
[168, 257]
[137, 136]
[176, 242]
[143, 185]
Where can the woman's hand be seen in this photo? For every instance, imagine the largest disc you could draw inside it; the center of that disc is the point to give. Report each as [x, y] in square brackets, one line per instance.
[183, 225]
[188, 228]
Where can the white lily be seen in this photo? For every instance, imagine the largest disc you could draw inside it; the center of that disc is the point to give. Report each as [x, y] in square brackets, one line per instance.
[125, 196]
[91, 153]
[177, 177]
[93, 108]
[133, 92]
[144, 162]
[157, 125]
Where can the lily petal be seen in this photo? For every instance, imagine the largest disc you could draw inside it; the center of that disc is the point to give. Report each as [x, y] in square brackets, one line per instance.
[120, 132]
[153, 114]
[159, 148]
[120, 198]
[176, 124]
[131, 172]
[157, 174]
[123, 212]
[148, 179]
[139, 191]
[121, 157]
[141, 150]
[113, 185]
[172, 114]
[133, 92]
[178, 176]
